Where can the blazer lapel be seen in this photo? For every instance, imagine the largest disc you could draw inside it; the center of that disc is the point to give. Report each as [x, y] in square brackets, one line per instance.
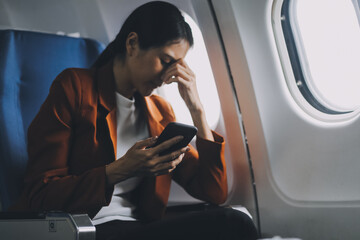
[154, 192]
[111, 121]
[106, 89]
[154, 118]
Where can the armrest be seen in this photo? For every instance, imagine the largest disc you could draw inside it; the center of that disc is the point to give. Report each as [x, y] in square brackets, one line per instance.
[176, 208]
[183, 207]
[46, 225]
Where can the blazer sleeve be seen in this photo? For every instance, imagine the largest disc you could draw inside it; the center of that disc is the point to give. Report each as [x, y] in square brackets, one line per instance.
[48, 182]
[202, 173]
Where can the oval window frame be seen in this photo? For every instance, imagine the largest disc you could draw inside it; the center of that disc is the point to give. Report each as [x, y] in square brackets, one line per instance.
[295, 69]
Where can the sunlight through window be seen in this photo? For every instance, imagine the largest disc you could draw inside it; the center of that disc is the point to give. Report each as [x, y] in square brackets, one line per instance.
[330, 37]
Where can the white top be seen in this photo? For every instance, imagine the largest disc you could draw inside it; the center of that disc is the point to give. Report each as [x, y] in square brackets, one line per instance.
[131, 127]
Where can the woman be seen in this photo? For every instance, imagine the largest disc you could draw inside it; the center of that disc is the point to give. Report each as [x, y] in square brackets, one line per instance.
[89, 144]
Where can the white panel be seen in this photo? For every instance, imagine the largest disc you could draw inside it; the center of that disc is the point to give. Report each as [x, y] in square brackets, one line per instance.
[5, 20]
[308, 158]
[52, 16]
[230, 126]
[43, 15]
[306, 171]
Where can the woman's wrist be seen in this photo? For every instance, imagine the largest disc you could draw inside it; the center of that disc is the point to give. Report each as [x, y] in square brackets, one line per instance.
[199, 119]
[113, 177]
[109, 176]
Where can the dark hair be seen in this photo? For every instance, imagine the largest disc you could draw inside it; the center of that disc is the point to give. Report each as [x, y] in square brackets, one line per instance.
[156, 24]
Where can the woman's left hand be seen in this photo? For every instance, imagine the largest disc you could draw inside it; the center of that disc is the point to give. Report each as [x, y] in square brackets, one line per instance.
[181, 73]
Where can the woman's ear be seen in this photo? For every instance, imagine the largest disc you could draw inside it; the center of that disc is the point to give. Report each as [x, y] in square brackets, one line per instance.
[132, 44]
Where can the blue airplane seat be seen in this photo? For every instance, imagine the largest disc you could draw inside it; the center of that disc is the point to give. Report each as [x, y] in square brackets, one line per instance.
[29, 62]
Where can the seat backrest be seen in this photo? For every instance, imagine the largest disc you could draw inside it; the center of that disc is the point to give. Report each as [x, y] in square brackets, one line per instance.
[29, 62]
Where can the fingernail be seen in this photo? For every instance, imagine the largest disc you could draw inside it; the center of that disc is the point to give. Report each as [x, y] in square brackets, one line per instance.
[154, 138]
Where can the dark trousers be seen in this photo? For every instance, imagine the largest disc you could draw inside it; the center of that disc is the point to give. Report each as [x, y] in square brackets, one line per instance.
[220, 223]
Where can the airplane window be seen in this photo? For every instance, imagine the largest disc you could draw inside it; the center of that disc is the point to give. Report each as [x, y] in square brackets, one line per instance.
[323, 41]
[198, 61]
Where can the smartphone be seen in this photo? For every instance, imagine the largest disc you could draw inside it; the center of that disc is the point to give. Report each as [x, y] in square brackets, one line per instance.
[174, 129]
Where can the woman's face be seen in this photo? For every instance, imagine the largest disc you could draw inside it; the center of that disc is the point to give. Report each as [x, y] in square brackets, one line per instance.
[147, 66]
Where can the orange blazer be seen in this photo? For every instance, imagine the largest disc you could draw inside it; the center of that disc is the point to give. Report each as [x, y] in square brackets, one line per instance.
[73, 137]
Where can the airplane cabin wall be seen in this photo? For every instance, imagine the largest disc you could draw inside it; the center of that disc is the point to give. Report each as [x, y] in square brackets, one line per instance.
[306, 169]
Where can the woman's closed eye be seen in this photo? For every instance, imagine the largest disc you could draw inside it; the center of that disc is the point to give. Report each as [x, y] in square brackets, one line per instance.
[163, 62]
[167, 60]
[166, 63]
